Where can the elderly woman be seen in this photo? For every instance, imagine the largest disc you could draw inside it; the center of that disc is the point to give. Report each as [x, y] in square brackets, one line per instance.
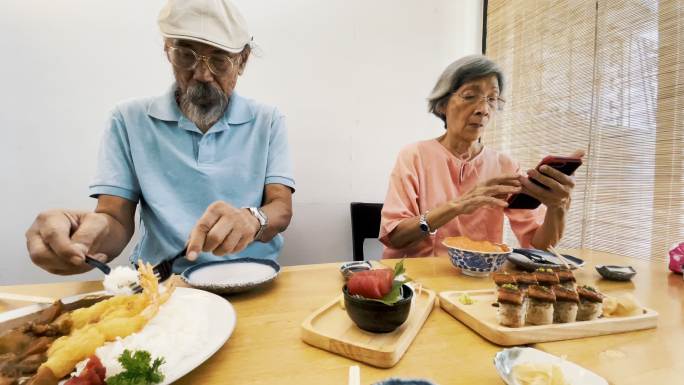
[454, 185]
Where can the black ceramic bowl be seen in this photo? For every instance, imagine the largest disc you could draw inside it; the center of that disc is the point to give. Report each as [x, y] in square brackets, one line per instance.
[376, 317]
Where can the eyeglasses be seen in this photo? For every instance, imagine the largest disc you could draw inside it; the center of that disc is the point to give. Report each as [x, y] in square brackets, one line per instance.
[494, 102]
[187, 59]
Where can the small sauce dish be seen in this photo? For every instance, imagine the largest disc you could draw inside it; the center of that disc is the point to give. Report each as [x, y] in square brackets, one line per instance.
[349, 268]
[616, 273]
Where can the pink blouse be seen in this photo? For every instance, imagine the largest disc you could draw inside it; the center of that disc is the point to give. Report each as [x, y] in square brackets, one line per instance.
[427, 175]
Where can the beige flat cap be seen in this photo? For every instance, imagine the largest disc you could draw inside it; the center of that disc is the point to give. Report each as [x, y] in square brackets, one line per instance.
[214, 22]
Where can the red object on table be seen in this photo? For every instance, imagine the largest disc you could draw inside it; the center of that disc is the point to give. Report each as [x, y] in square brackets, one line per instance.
[92, 374]
[371, 283]
[677, 258]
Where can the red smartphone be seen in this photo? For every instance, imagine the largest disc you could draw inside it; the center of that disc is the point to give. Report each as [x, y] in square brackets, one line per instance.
[565, 164]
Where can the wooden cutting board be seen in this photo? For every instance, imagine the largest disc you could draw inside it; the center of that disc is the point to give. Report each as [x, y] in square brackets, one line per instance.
[331, 329]
[481, 317]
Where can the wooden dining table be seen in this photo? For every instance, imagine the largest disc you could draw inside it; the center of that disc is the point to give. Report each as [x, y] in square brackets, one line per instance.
[265, 347]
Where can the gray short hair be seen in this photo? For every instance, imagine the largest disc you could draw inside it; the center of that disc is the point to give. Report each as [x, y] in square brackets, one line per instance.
[456, 74]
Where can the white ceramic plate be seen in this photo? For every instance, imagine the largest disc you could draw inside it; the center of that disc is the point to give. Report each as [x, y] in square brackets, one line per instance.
[220, 314]
[505, 360]
[222, 320]
[231, 276]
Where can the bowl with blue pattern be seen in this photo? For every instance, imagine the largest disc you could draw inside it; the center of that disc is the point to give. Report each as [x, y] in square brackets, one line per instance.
[477, 263]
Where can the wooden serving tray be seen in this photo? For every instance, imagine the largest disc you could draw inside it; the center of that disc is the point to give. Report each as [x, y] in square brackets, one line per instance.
[331, 329]
[481, 317]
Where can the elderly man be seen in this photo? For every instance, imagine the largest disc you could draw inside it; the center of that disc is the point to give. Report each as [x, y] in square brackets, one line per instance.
[209, 168]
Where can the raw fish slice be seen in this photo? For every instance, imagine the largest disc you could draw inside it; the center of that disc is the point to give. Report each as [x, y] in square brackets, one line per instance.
[371, 284]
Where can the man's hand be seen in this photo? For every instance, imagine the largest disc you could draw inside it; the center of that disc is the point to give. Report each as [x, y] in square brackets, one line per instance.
[493, 192]
[59, 240]
[222, 229]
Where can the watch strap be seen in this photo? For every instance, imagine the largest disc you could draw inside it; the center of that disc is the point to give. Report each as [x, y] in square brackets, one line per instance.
[424, 225]
[262, 218]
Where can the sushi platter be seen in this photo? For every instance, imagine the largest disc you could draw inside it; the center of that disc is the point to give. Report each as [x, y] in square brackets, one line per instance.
[331, 329]
[480, 314]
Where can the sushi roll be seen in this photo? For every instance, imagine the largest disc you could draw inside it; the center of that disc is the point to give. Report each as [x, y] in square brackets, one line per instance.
[512, 305]
[524, 280]
[546, 277]
[591, 303]
[567, 279]
[540, 305]
[503, 278]
[565, 308]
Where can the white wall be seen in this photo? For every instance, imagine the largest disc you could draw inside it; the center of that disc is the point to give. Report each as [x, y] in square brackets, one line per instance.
[351, 76]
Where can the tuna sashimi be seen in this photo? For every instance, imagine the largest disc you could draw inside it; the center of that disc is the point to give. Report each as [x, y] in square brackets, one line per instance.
[371, 283]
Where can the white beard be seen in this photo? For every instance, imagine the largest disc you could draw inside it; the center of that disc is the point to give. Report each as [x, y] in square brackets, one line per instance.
[203, 104]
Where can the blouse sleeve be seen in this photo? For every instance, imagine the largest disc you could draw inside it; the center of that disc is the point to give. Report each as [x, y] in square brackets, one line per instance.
[402, 200]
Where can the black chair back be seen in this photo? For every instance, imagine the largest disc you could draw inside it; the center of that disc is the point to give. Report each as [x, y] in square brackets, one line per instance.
[365, 221]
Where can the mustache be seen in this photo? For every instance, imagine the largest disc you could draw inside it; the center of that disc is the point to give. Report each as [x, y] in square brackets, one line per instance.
[204, 94]
[203, 103]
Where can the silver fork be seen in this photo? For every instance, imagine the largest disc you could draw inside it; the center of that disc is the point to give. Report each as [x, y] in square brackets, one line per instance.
[106, 270]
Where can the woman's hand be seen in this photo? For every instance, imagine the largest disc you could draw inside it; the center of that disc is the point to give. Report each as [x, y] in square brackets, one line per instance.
[493, 192]
[558, 185]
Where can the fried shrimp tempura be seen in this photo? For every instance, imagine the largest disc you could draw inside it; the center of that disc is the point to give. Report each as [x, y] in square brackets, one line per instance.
[105, 321]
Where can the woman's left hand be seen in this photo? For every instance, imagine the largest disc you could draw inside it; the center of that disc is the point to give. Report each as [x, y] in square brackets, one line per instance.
[558, 185]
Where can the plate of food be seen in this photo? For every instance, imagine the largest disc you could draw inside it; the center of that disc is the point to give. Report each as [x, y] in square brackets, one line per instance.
[527, 366]
[118, 339]
[544, 306]
[374, 319]
[476, 258]
[378, 300]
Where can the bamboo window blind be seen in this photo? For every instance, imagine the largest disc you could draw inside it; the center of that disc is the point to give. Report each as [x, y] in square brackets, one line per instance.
[607, 77]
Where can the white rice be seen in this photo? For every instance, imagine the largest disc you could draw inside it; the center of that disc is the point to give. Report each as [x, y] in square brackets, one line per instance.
[539, 312]
[564, 312]
[589, 310]
[118, 280]
[178, 332]
[511, 315]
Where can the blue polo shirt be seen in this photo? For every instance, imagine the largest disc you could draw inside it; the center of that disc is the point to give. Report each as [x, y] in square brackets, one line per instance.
[152, 154]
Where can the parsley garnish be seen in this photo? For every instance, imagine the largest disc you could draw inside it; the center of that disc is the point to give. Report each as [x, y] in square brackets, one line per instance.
[137, 369]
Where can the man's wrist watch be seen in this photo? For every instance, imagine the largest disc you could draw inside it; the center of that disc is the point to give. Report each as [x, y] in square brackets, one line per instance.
[424, 226]
[262, 218]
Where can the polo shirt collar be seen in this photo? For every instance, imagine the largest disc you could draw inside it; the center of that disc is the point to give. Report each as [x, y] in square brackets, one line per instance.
[165, 108]
[239, 111]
